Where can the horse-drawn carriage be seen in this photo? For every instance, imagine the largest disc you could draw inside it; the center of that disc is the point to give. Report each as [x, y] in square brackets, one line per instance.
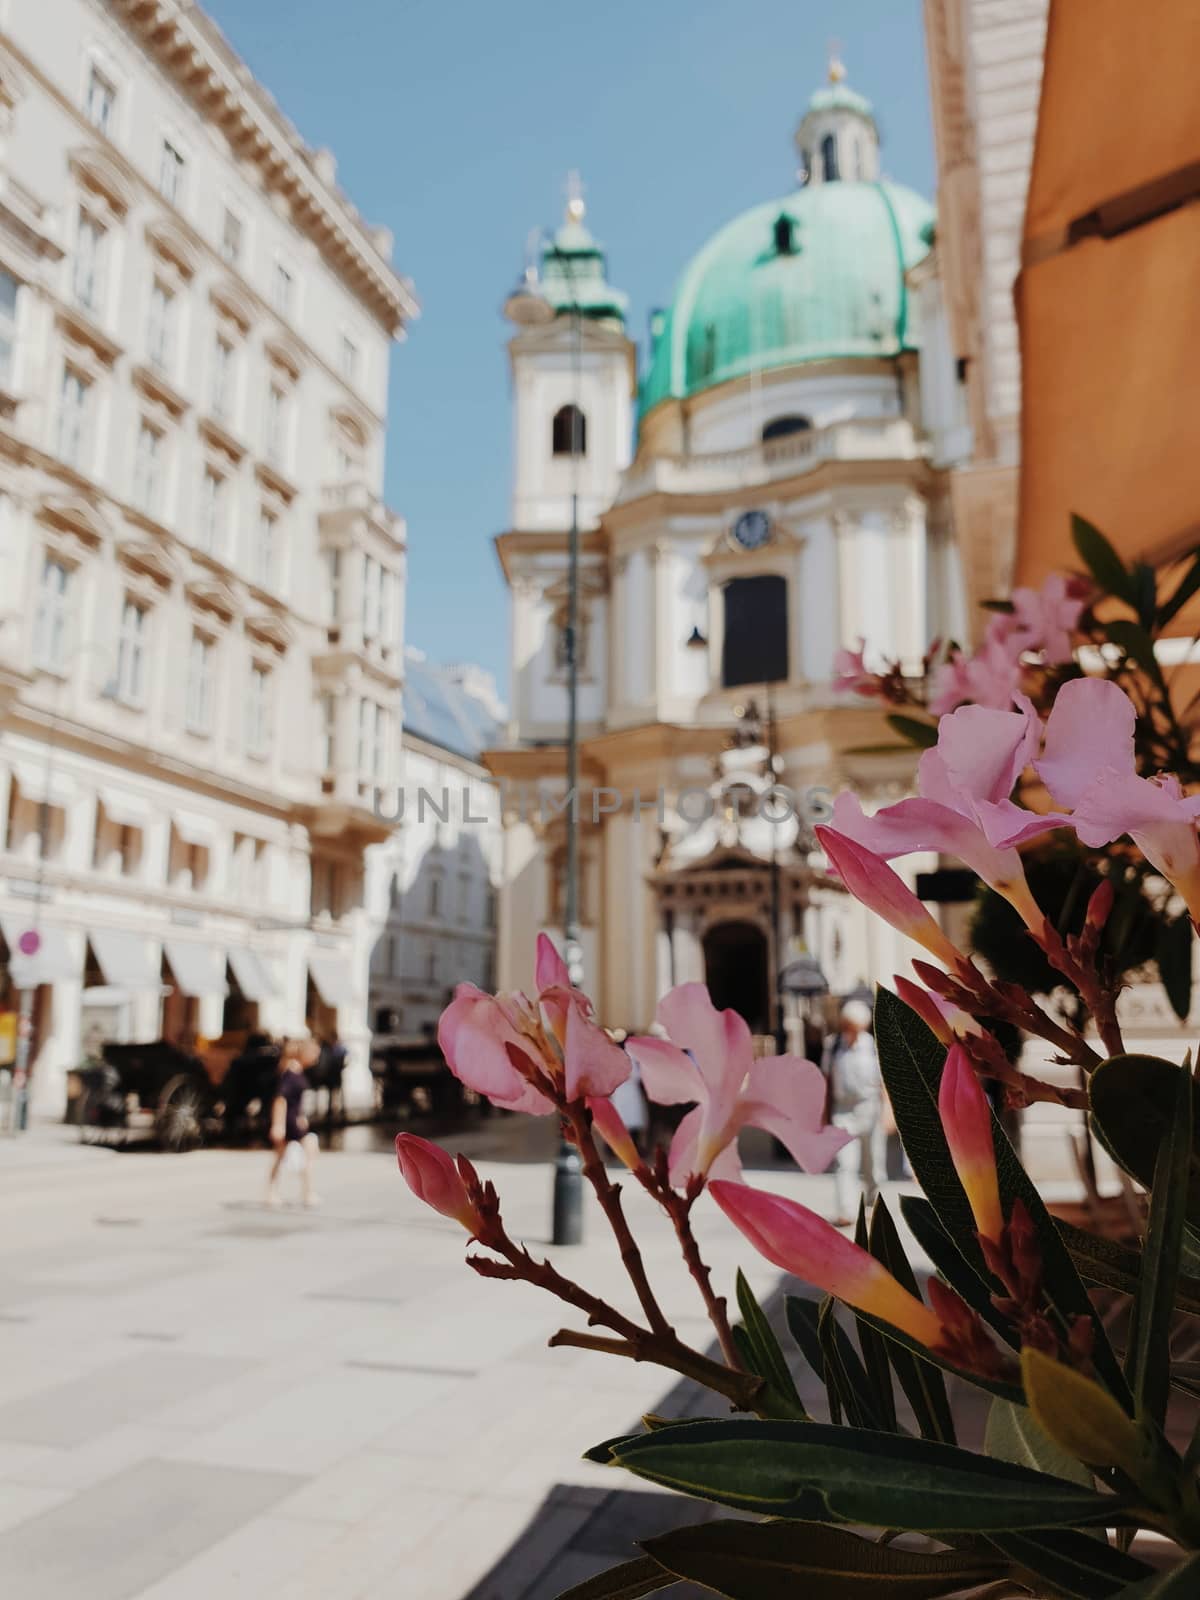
[189, 1098]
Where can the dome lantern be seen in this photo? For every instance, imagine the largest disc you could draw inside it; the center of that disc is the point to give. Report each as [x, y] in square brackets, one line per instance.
[837, 139]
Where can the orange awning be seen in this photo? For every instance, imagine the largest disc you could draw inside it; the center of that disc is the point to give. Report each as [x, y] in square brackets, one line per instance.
[1107, 299]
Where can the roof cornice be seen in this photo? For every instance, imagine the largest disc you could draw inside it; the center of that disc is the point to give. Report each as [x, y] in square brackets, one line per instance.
[188, 45]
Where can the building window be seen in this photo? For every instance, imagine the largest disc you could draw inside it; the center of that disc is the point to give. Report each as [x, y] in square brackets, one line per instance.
[8, 328]
[258, 712]
[755, 648]
[389, 610]
[277, 421]
[224, 378]
[73, 418]
[101, 103]
[829, 159]
[232, 234]
[265, 548]
[88, 281]
[200, 685]
[50, 622]
[372, 598]
[435, 894]
[349, 360]
[333, 586]
[147, 470]
[211, 511]
[781, 427]
[159, 326]
[171, 166]
[372, 741]
[130, 687]
[284, 290]
[328, 732]
[569, 432]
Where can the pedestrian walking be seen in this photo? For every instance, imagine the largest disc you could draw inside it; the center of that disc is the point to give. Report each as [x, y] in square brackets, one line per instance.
[292, 1140]
[852, 1067]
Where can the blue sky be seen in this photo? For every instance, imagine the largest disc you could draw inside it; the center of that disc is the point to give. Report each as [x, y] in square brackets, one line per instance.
[455, 122]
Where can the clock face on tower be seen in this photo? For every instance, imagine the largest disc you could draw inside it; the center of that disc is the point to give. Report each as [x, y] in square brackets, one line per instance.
[751, 531]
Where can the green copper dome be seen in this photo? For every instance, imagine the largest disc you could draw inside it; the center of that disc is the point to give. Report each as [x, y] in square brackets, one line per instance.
[818, 275]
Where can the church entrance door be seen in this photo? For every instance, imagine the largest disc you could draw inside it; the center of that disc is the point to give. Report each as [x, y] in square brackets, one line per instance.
[735, 970]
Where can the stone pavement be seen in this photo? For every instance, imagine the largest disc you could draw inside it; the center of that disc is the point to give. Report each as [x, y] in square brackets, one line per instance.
[200, 1397]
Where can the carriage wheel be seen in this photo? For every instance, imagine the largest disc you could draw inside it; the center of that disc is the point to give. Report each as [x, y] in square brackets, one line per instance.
[97, 1120]
[182, 1109]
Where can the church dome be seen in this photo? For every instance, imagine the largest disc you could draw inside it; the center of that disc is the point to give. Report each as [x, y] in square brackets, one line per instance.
[816, 276]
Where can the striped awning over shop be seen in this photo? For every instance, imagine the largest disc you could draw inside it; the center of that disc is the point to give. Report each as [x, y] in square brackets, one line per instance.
[251, 974]
[198, 969]
[124, 958]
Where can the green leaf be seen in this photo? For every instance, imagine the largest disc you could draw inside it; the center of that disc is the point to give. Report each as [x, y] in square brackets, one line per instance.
[1132, 1102]
[846, 1381]
[1173, 953]
[874, 1349]
[1012, 1434]
[764, 1357]
[1101, 560]
[1145, 589]
[814, 1472]
[1137, 644]
[994, 1386]
[1113, 1266]
[911, 1061]
[629, 1581]
[920, 1379]
[780, 1560]
[923, 734]
[1079, 1565]
[1186, 588]
[1079, 1415]
[1148, 1357]
[1181, 1583]
[966, 1277]
[803, 1318]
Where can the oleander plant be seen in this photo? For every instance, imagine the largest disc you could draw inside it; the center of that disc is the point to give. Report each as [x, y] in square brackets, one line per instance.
[1085, 1482]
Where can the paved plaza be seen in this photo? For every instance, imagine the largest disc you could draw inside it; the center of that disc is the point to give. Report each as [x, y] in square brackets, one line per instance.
[200, 1397]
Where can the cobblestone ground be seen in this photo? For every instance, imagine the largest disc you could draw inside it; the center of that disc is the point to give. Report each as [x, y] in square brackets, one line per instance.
[200, 1397]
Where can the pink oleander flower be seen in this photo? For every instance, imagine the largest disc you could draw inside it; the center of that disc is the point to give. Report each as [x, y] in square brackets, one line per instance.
[438, 1180]
[486, 1038]
[708, 1061]
[800, 1242]
[989, 678]
[610, 1125]
[1044, 619]
[869, 879]
[850, 671]
[967, 1124]
[1088, 766]
[978, 758]
[946, 1021]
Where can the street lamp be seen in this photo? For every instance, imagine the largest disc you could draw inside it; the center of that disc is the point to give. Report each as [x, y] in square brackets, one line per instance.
[528, 306]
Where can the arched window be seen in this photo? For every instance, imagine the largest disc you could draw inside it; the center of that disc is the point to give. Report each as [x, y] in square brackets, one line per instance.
[780, 427]
[755, 649]
[569, 432]
[785, 242]
[829, 160]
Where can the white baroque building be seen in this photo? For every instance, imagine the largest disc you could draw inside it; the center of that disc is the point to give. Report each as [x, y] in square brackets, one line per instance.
[438, 891]
[201, 590]
[773, 489]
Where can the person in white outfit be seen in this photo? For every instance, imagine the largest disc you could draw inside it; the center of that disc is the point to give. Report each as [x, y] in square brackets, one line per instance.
[852, 1067]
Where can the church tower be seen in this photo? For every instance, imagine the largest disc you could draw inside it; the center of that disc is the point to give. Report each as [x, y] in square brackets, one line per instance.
[573, 388]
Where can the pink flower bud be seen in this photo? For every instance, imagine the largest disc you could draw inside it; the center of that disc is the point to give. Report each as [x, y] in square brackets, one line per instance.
[967, 1123]
[804, 1244]
[433, 1177]
[869, 879]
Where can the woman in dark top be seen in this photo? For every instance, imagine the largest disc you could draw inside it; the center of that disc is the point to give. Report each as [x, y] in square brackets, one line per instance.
[289, 1125]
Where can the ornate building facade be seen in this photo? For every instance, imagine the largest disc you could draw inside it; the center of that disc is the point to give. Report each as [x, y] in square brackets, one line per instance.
[780, 492]
[201, 646]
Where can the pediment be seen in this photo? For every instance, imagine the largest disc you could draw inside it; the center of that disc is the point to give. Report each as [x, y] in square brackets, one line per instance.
[353, 421]
[170, 242]
[100, 173]
[209, 594]
[145, 557]
[285, 353]
[74, 514]
[268, 628]
[230, 300]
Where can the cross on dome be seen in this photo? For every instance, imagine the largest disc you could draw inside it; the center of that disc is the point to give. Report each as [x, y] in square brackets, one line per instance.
[576, 207]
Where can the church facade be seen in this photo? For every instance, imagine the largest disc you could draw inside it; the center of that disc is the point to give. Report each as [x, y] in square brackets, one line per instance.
[772, 490]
